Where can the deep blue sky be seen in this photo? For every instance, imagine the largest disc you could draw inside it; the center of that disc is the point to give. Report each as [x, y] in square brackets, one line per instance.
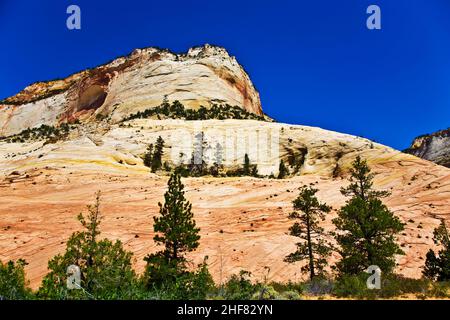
[313, 62]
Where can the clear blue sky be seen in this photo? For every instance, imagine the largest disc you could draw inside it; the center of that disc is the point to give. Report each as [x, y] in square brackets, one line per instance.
[314, 62]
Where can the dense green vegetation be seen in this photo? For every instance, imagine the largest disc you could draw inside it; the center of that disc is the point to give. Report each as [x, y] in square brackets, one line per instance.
[44, 132]
[176, 110]
[13, 285]
[364, 221]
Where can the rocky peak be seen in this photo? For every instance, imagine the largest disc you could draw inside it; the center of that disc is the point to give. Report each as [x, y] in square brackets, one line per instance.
[434, 147]
[202, 76]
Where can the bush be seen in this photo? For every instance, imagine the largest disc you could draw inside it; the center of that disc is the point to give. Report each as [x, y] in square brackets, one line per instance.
[439, 290]
[391, 286]
[288, 286]
[266, 292]
[319, 286]
[351, 286]
[195, 285]
[290, 295]
[239, 287]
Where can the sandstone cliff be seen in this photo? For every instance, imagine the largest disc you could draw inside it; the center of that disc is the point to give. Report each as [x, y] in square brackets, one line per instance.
[203, 76]
[243, 220]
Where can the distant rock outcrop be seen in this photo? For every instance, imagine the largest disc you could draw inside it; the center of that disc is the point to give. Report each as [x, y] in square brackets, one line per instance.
[434, 147]
[205, 76]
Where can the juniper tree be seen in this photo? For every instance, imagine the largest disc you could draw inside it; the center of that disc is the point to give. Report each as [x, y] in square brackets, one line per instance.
[366, 228]
[437, 267]
[308, 212]
[176, 230]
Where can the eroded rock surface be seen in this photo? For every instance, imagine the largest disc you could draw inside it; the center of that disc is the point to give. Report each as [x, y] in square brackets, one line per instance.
[433, 147]
[203, 76]
[243, 220]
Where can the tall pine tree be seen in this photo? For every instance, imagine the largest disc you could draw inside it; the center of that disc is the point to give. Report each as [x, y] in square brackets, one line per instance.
[157, 155]
[308, 212]
[148, 156]
[176, 229]
[366, 228]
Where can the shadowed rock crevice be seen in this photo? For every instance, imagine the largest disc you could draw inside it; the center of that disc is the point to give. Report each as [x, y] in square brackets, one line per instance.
[92, 98]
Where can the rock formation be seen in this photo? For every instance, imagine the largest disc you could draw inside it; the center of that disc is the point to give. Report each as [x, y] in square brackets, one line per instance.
[434, 147]
[203, 76]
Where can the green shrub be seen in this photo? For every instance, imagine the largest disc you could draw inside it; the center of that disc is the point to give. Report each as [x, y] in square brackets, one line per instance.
[195, 285]
[239, 287]
[266, 292]
[392, 286]
[439, 290]
[351, 286]
[290, 295]
[298, 287]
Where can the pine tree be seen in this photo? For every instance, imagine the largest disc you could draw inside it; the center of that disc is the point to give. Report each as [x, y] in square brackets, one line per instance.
[437, 267]
[148, 157]
[157, 155]
[282, 170]
[175, 228]
[308, 211]
[106, 268]
[246, 170]
[366, 228]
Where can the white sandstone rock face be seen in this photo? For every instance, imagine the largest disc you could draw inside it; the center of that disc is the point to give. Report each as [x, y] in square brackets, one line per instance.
[434, 147]
[120, 148]
[243, 220]
[203, 76]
